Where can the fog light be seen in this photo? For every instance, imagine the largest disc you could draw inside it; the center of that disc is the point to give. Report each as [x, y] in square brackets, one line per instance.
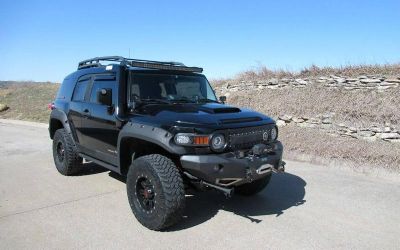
[218, 142]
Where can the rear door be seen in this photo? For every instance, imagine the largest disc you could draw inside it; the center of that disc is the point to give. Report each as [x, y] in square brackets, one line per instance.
[100, 131]
[77, 106]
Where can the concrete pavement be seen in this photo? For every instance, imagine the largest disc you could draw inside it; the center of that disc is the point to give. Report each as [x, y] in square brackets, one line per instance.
[309, 207]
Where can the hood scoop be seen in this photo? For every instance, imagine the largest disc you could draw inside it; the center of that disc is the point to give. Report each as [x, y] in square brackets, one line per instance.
[221, 110]
[239, 120]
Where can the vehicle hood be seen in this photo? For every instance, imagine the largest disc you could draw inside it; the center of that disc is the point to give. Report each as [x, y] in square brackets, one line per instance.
[200, 115]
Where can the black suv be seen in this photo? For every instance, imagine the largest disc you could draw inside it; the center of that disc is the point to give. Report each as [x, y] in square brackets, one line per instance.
[160, 125]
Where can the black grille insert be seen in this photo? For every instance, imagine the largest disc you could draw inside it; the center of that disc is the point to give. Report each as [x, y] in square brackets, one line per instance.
[244, 138]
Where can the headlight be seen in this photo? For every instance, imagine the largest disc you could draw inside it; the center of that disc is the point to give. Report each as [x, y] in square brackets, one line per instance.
[188, 139]
[183, 139]
[218, 142]
[274, 134]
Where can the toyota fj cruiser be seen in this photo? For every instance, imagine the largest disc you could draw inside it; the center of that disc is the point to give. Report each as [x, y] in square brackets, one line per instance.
[160, 125]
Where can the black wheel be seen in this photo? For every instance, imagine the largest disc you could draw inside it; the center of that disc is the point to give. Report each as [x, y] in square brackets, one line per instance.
[155, 191]
[254, 187]
[65, 156]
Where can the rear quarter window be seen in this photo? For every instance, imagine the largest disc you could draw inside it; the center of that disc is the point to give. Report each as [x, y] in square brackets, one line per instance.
[80, 90]
[66, 89]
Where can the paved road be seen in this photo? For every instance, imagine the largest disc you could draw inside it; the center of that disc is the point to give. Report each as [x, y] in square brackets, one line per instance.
[309, 207]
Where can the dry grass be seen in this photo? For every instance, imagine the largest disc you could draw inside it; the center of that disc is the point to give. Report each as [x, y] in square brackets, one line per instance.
[263, 73]
[359, 108]
[27, 101]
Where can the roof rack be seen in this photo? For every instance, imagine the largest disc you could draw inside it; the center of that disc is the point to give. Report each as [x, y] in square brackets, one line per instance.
[95, 62]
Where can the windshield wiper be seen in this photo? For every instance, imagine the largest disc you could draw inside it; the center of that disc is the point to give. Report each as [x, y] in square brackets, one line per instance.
[207, 100]
[182, 100]
[142, 102]
[154, 100]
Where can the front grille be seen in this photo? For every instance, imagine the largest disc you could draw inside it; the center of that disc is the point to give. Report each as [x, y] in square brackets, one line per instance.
[245, 138]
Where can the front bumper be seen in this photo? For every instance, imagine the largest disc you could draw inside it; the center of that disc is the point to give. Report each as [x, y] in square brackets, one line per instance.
[228, 170]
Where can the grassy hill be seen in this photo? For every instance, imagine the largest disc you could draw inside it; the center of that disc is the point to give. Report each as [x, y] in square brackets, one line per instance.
[27, 100]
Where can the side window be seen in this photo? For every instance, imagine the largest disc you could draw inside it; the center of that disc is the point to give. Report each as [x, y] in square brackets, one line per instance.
[80, 90]
[102, 82]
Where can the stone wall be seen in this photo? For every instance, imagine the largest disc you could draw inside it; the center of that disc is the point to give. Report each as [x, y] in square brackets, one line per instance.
[327, 122]
[324, 122]
[363, 82]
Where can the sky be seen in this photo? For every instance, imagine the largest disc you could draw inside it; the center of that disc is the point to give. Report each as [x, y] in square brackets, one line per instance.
[45, 40]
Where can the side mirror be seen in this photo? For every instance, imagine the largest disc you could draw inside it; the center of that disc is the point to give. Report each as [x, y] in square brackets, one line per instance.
[104, 97]
[222, 99]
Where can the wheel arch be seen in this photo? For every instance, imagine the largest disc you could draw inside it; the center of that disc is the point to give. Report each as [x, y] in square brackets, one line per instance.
[58, 119]
[137, 140]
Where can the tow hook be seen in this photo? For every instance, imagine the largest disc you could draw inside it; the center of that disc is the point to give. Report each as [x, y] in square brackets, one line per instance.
[228, 192]
[281, 168]
[249, 175]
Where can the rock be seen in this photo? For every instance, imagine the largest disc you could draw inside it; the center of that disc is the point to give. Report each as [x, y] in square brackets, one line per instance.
[352, 129]
[340, 80]
[273, 81]
[388, 83]
[369, 80]
[386, 136]
[298, 120]
[387, 130]
[366, 133]
[286, 118]
[315, 121]
[305, 118]
[301, 81]
[376, 130]
[383, 87]
[392, 80]
[3, 107]
[326, 116]
[280, 123]
[327, 121]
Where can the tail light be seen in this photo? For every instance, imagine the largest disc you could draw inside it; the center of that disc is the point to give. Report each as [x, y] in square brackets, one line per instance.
[51, 106]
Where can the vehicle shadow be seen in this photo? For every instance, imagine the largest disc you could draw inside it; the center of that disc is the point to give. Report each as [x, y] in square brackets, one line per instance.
[90, 168]
[283, 192]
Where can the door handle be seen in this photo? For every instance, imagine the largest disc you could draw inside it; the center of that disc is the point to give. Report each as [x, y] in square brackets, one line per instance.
[86, 113]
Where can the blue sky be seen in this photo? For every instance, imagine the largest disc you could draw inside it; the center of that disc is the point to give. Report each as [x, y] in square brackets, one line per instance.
[44, 40]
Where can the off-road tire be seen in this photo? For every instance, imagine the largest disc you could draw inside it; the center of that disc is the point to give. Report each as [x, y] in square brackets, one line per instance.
[168, 189]
[254, 187]
[71, 163]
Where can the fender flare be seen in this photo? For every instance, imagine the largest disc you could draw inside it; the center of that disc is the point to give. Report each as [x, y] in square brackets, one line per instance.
[61, 117]
[152, 134]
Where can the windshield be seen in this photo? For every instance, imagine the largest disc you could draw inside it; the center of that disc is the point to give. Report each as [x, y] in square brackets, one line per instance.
[170, 88]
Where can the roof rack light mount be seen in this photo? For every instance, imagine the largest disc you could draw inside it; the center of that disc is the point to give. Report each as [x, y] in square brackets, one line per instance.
[95, 62]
